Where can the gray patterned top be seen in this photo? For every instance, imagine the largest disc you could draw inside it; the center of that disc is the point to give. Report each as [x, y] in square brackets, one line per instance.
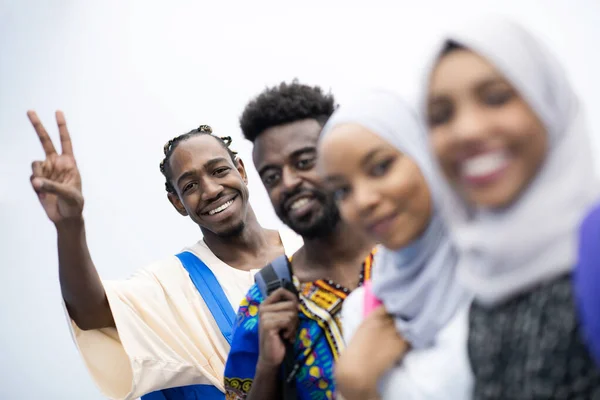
[530, 348]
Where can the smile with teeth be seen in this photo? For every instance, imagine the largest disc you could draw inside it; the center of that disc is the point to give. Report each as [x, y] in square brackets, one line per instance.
[299, 203]
[484, 165]
[221, 208]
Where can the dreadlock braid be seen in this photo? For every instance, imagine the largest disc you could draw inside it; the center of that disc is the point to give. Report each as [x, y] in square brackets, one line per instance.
[172, 144]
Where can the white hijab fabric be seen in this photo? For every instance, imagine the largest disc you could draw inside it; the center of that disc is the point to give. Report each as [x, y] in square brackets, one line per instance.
[506, 253]
[416, 284]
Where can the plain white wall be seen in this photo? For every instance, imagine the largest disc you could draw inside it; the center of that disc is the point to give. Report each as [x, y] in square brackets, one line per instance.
[132, 74]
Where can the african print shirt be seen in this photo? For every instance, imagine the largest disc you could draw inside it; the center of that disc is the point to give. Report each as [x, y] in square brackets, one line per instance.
[318, 342]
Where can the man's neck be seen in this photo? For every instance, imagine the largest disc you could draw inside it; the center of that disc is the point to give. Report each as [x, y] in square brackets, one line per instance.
[252, 248]
[337, 256]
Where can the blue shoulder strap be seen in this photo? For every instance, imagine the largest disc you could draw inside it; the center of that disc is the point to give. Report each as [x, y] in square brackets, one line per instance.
[211, 291]
[209, 288]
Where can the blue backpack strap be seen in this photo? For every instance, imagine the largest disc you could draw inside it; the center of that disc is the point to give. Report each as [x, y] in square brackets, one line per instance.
[159, 395]
[211, 291]
[273, 276]
[193, 392]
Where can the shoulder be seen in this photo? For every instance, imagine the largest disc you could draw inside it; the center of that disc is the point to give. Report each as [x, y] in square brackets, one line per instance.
[253, 297]
[589, 234]
[291, 241]
[448, 360]
[352, 312]
[593, 217]
[155, 271]
[247, 315]
[353, 305]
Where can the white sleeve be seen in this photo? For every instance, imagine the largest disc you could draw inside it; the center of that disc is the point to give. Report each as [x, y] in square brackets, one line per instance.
[352, 313]
[165, 336]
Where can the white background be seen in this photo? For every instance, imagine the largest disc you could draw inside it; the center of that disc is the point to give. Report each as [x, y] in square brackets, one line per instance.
[132, 74]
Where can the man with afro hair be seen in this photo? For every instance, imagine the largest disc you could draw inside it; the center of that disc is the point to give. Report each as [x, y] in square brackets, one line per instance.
[284, 123]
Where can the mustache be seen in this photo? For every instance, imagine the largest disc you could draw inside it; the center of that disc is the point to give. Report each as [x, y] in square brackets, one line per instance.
[317, 194]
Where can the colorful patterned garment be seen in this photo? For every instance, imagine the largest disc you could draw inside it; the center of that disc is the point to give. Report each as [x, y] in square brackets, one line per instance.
[318, 342]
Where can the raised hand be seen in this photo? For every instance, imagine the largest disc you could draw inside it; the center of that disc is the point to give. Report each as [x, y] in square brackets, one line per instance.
[365, 361]
[56, 180]
[278, 318]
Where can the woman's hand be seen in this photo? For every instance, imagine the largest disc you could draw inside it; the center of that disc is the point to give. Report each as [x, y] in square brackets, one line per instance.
[373, 350]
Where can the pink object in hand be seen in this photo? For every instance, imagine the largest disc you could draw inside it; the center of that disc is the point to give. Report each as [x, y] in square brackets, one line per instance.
[370, 301]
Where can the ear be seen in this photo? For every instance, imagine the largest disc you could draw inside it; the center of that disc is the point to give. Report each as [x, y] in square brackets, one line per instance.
[174, 199]
[242, 170]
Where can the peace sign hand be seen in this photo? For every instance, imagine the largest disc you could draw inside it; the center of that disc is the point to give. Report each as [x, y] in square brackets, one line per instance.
[56, 180]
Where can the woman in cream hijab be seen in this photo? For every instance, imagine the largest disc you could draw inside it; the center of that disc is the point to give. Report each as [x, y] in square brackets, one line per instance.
[510, 137]
[374, 157]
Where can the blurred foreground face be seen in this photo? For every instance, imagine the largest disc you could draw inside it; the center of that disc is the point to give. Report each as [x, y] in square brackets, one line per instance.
[486, 138]
[378, 189]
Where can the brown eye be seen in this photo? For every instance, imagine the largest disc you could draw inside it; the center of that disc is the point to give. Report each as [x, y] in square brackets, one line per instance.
[189, 186]
[270, 179]
[304, 164]
[497, 97]
[381, 168]
[220, 172]
[440, 114]
[340, 193]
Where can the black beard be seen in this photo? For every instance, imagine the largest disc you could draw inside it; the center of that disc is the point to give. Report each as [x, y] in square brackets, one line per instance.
[321, 226]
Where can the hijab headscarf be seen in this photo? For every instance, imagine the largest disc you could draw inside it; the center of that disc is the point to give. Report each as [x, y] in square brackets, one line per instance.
[507, 252]
[416, 284]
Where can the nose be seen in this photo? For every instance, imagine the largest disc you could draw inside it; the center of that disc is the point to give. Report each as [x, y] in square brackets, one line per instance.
[290, 180]
[470, 124]
[210, 189]
[365, 200]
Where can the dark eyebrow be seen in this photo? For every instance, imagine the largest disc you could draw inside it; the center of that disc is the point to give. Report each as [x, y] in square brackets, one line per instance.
[371, 154]
[491, 81]
[185, 175]
[307, 149]
[210, 163]
[207, 165]
[295, 153]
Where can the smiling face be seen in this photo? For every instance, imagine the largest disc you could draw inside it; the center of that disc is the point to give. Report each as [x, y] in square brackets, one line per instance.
[285, 157]
[488, 141]
[378, 189]
[209, 186]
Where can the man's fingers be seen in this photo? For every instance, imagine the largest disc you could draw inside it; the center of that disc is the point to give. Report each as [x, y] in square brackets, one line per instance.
[280, 294]
[278, 321]
[278, 307]
[37, 168]
[65, 138]
[66, 192]
[289, 332]
[41, 132]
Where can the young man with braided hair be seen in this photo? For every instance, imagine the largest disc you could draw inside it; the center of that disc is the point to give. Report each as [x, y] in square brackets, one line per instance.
[284, 124]
[167, 329]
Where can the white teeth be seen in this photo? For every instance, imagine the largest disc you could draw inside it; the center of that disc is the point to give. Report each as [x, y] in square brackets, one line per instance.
[484, 164]
[299, 203]
[221, 208]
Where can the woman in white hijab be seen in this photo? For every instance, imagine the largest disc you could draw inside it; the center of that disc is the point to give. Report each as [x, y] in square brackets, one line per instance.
[373, 156]
[509, 135]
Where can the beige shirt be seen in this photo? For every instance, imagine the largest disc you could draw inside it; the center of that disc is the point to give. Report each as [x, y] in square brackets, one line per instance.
[165, 336]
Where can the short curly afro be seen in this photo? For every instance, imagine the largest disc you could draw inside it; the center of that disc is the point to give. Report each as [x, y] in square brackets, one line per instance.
[283, 104]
